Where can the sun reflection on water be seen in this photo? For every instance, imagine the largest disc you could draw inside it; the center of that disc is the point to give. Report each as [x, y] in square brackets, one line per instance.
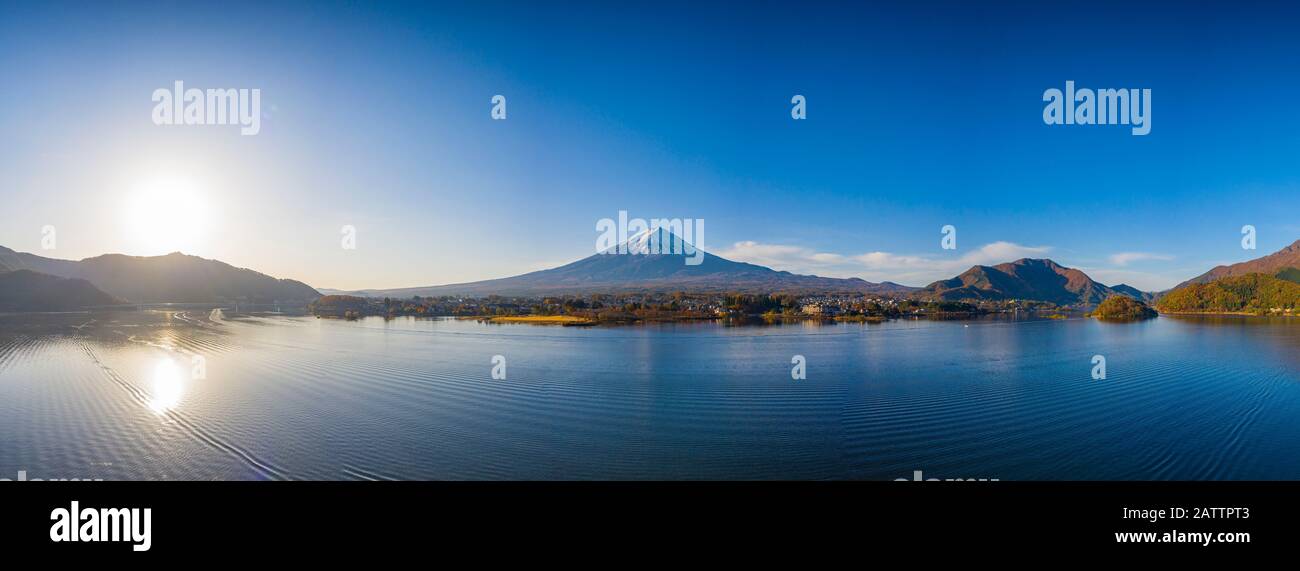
[166, 387]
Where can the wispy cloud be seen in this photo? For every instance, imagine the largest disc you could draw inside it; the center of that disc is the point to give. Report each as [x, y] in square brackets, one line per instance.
[877, 266]
[1125, 258]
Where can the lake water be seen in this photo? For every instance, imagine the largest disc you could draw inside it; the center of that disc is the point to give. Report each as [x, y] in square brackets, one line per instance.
[115, 396]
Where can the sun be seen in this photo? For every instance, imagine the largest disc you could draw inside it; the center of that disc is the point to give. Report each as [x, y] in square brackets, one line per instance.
[164, 215]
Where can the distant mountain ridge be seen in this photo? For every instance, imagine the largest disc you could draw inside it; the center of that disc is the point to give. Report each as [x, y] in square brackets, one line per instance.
[173, 278]
[611, 272]
[1263, 285]
[1272, 264]
[1135, 293]
[25, 290]
[1030, 279]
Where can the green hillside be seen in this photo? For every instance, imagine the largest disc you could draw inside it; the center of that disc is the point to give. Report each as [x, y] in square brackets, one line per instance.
[1289, 274]
[1122, 307]
[1250, 293]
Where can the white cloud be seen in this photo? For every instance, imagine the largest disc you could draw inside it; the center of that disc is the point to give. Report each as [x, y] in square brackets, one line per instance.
[1125, 258]
[917, 270]
[877, 266]
[999, 252]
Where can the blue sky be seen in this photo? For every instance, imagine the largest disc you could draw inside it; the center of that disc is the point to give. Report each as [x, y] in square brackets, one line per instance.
[919, 115]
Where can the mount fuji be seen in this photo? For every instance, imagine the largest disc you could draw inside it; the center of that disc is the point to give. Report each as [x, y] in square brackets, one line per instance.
[640, 269]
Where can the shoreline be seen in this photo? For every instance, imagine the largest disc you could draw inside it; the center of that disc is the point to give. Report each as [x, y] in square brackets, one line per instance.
[1229, 313]
[756, 319]
[539, 319]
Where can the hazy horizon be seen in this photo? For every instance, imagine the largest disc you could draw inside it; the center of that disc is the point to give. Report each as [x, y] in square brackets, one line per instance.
[986, 251]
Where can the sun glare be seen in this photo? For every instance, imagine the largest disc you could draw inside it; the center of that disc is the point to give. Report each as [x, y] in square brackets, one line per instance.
[167, 386]
[166, 215]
